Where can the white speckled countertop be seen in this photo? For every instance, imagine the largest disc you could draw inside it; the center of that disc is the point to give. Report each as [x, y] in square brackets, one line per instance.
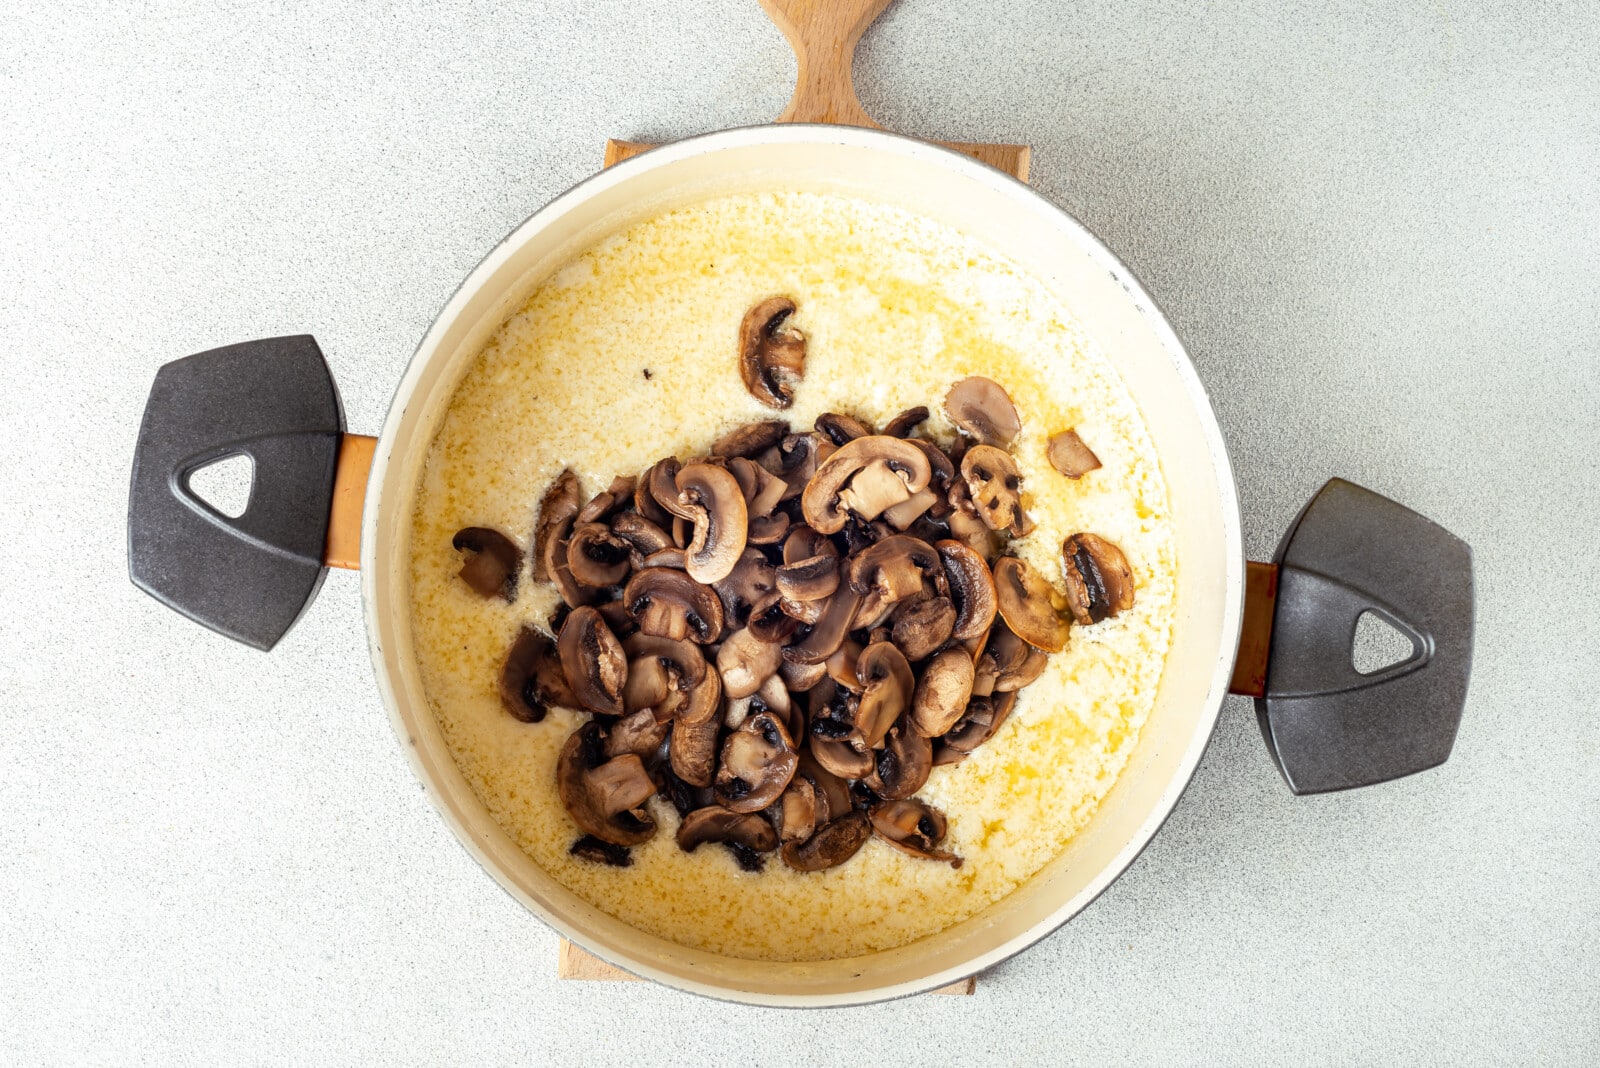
[1376, 228]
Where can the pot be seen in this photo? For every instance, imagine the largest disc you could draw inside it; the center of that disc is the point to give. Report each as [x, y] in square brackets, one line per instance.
[1281, 631]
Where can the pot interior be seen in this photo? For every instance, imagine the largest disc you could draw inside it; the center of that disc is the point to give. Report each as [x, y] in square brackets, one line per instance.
[1117, 313]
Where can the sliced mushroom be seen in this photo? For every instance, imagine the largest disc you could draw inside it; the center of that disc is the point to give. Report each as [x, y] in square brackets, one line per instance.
[720, 519]
[615, 496]
[1023, 598]
[982, 720]
[842, 665]
[797, 460]
[886, 689]
[593, 849]
[772, 359]
[841, 758]
[717, 824]
[670, 604]
[812, 579]
[801, 677]
[996, 486]
[596, 557]
[1099, 580]
[1068, 454]
[914, 827]
[595, 665]
[573, 592]
[771, 624]
[745, 662]
[751, 582]
[604, 799]
[532, 678]
[971, 589]
[839, 428]
[797, 810]
[903, 764]
[772, 697]
[672, 677]
[639, 733]
[903, 424]
[761, 488]
[942, 693]
[864, 476]
[758, 760]
[922, 627]
[557, 507]
[672, 557]
[1013, 662]
[833, 844]
[828, 633]
[888, 572]
[768, 529]
[969, 530]
[750, 439]
[491, 564]
[661, 473]
[803, 543]
[644, 537]
[983, 409]
[692, 751]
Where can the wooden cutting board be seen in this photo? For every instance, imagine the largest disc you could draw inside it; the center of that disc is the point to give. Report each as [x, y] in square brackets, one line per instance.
[824, 34]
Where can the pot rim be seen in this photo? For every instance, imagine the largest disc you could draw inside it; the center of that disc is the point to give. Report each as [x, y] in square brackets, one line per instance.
[933, 155]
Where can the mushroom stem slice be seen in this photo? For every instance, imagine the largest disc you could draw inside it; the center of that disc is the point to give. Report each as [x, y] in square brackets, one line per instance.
[833, 844]
[1023, 598]
[1068, 454]
[1099, 580]
[491, 563]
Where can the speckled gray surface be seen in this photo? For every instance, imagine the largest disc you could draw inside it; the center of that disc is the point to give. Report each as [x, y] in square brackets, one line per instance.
[1374, 224]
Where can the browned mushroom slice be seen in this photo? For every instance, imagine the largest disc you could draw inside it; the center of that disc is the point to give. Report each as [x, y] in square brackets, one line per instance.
[644, 538]
[828, 633]
[971, 589]
[839, 428]
[596, 557]
[751, 438]
[615, 496]
[796, 461]
[773, 696]
[573, 592]
[751, 582]
[604, 799]
[644, 497]
[888, 572]
[842, 665]
[803, 543]
[717, 824]
[801, 677]
[943, 468]
[615, 613]
[841, 758]
[639, 733]
[670, 604]
[532, 678]
[558, 507]
[595, 665]
[672, 557]
[996, 486]
[491, 563]
[982, 720]
[812, 579]
[745, 662]
[1099, 580]
[720, 520]
[1014, 662]
[903, 764]
[969, 530]
[922, 627]
[1069, 455]
[903, 424]
[593, 849]
[771, 624]
[863, 477]
[833, 844]
[1022, 597]
[768, 529]
[761, 488]
[758, 760]
[797, 810]
[914, 827]
[942, 693]
[886, 689]
[692, 751]
[982, 408]
[673, 678]
[772, 359]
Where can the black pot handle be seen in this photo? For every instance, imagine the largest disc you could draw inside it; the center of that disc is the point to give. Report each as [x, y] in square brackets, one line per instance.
[252, 576]
[1327, 725]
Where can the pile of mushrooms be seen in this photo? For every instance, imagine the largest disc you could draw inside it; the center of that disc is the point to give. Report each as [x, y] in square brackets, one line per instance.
[784, 637]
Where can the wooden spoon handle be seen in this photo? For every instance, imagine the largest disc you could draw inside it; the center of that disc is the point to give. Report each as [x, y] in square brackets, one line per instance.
[824, 34]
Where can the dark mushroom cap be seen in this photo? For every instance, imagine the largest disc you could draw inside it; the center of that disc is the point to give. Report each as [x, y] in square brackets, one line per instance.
[595, 665]
[596, 557]
[717, 824]
[971, 589]
[752, 582]
[839, 428]
[812, 579]
[604, 799]
[491, 564]
[772, 359]
[532, 678]
[750, 439]
[942, 693]
[758, 760]
[659, 474]
[903, 764]
[907, 421]
[670, 604]
[797, 460]
[996, 486]
[745, 662]
[692, 751]
[771, 624]
[720, 519]
[833, 844]
[922, 627]
[557, 507]
[1068, 454]
[1023, 598]
[983, 409]
[886, 689]
[865, 476]
[592, 849]
[1099, 580]
[914, 827]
